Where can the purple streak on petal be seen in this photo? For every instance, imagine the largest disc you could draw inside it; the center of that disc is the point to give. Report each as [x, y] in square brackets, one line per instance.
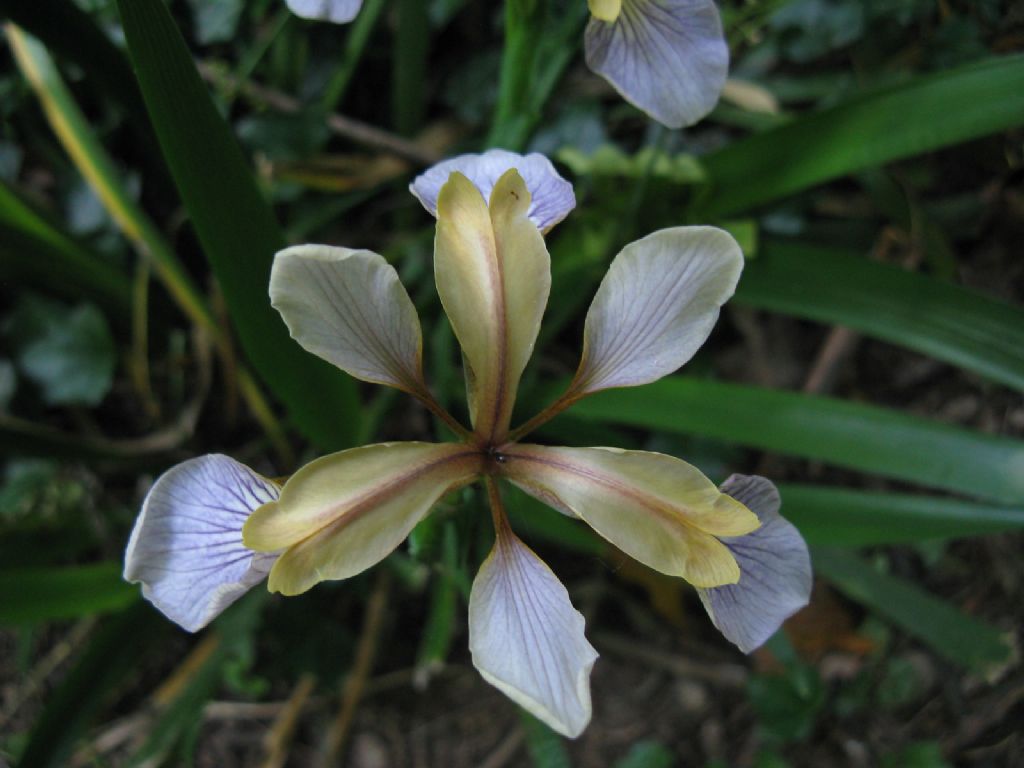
[186, 548]
[775, 570]
[552, 196]
[666, 57]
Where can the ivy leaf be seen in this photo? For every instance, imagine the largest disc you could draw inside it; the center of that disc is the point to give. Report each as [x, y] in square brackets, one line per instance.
[67, 351]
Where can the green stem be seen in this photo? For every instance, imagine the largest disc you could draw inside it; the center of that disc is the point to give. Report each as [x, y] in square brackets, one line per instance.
[563, 402]
[412, 46]
[523, 27]
[358, 37]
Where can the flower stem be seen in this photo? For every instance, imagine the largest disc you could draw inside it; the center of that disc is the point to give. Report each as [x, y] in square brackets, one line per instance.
[498, 515]
[438, 410]
[563, 402]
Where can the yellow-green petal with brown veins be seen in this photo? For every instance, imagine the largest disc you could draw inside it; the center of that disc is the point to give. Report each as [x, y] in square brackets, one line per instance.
[345, 512]
[656, 508]
[493, 274]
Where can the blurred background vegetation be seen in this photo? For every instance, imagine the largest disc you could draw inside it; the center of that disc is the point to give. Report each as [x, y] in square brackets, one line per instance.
[869, 155]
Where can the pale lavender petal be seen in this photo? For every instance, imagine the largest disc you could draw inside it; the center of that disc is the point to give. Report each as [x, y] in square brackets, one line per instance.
[186, 548]
[775, 570]
[350, 308]
[552, 196]
[656, 306]
[526, 638]
[669, 58]
[338, 11]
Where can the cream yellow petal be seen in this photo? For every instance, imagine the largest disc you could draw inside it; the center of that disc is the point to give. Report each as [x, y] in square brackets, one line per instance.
[349, 308]
[656, 508]
[525, 271]
[656, 306]
[466, 272]
[493, 276]
[343, 513]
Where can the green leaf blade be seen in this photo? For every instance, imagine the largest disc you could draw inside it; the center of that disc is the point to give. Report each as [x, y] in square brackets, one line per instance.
[930, 316]
[961, 638]
[920, 116]
[235, 225]
[861, 437]
[852, 518]
[32, 595]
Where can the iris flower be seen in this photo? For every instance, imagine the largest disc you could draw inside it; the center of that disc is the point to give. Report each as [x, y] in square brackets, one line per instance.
[211, 528]
[668, 58]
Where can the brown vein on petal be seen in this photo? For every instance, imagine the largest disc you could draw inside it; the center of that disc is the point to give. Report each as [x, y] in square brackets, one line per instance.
[353, 509]
[652, 503]
[501, 391]
[486, 417]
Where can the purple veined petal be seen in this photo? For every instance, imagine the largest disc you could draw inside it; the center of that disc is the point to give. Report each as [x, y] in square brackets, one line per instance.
[338, 11]
[775, 570]
[552, 196]
[669, 58]
[349, 308]
[527, 639]
[656, 306]
[186, 548]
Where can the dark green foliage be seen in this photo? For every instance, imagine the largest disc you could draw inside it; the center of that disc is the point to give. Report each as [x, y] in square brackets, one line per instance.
[879, 191]
[236, 226]
[67, 352]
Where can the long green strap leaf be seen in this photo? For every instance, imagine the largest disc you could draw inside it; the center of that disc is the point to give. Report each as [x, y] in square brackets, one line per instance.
[918, 312]
[71, 34]
[99, 169]
[32, 595]
[861, 437]
[918, 116]
[849, 518]
[960, 638]
[79, 139]
[235, 224]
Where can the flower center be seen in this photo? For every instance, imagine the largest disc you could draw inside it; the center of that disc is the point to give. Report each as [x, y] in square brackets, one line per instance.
[494, 457]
